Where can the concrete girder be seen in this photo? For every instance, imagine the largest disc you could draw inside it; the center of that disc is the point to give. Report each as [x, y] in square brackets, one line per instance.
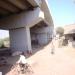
[43, 4]
[45, 8]
[35, 3]
[25, 19]
[18, 3]
[8, 6]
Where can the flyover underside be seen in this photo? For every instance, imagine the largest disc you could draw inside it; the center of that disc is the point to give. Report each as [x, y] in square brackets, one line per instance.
[9, 7]
[24, 26]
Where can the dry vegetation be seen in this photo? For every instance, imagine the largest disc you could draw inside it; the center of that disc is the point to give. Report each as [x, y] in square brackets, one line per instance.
[4, 42]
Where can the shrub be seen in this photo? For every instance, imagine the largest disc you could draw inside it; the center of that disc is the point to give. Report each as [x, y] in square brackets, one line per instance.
[60, 31]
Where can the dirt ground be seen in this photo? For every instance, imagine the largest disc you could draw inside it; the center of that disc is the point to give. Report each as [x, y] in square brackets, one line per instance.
[62, 62]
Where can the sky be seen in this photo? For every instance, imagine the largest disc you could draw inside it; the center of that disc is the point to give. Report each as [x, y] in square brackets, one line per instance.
[62, 12]
[4, 34]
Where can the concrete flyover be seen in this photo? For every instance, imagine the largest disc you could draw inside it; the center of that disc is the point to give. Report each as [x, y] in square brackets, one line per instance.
[28, 21]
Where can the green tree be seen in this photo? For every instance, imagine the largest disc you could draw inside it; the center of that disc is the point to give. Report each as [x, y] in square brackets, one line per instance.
[60, 31]
[1, 43]
[6, 39]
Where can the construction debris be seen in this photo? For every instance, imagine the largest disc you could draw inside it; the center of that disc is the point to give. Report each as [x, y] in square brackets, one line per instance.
[16, 53]
[3, 61]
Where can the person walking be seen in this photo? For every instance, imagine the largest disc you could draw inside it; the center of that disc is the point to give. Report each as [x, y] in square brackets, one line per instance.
[52, 44]
[52, 47]
[22, 60]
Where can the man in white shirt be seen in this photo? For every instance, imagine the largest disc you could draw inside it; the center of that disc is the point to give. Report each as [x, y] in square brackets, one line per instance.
[22, 59]
[24, 65]
[22, 62]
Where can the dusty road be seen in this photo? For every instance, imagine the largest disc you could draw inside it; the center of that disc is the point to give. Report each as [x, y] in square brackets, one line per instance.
[62, 62]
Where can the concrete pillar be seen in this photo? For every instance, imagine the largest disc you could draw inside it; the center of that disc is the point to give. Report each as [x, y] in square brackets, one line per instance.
[20, 39]
[43, 35]
[28, 39]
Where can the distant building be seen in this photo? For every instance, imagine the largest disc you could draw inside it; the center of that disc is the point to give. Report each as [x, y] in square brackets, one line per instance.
[69, 32]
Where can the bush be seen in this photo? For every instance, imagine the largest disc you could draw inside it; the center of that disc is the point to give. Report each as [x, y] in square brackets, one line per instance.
[2, 46]
[60, 31]
[1, 43]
